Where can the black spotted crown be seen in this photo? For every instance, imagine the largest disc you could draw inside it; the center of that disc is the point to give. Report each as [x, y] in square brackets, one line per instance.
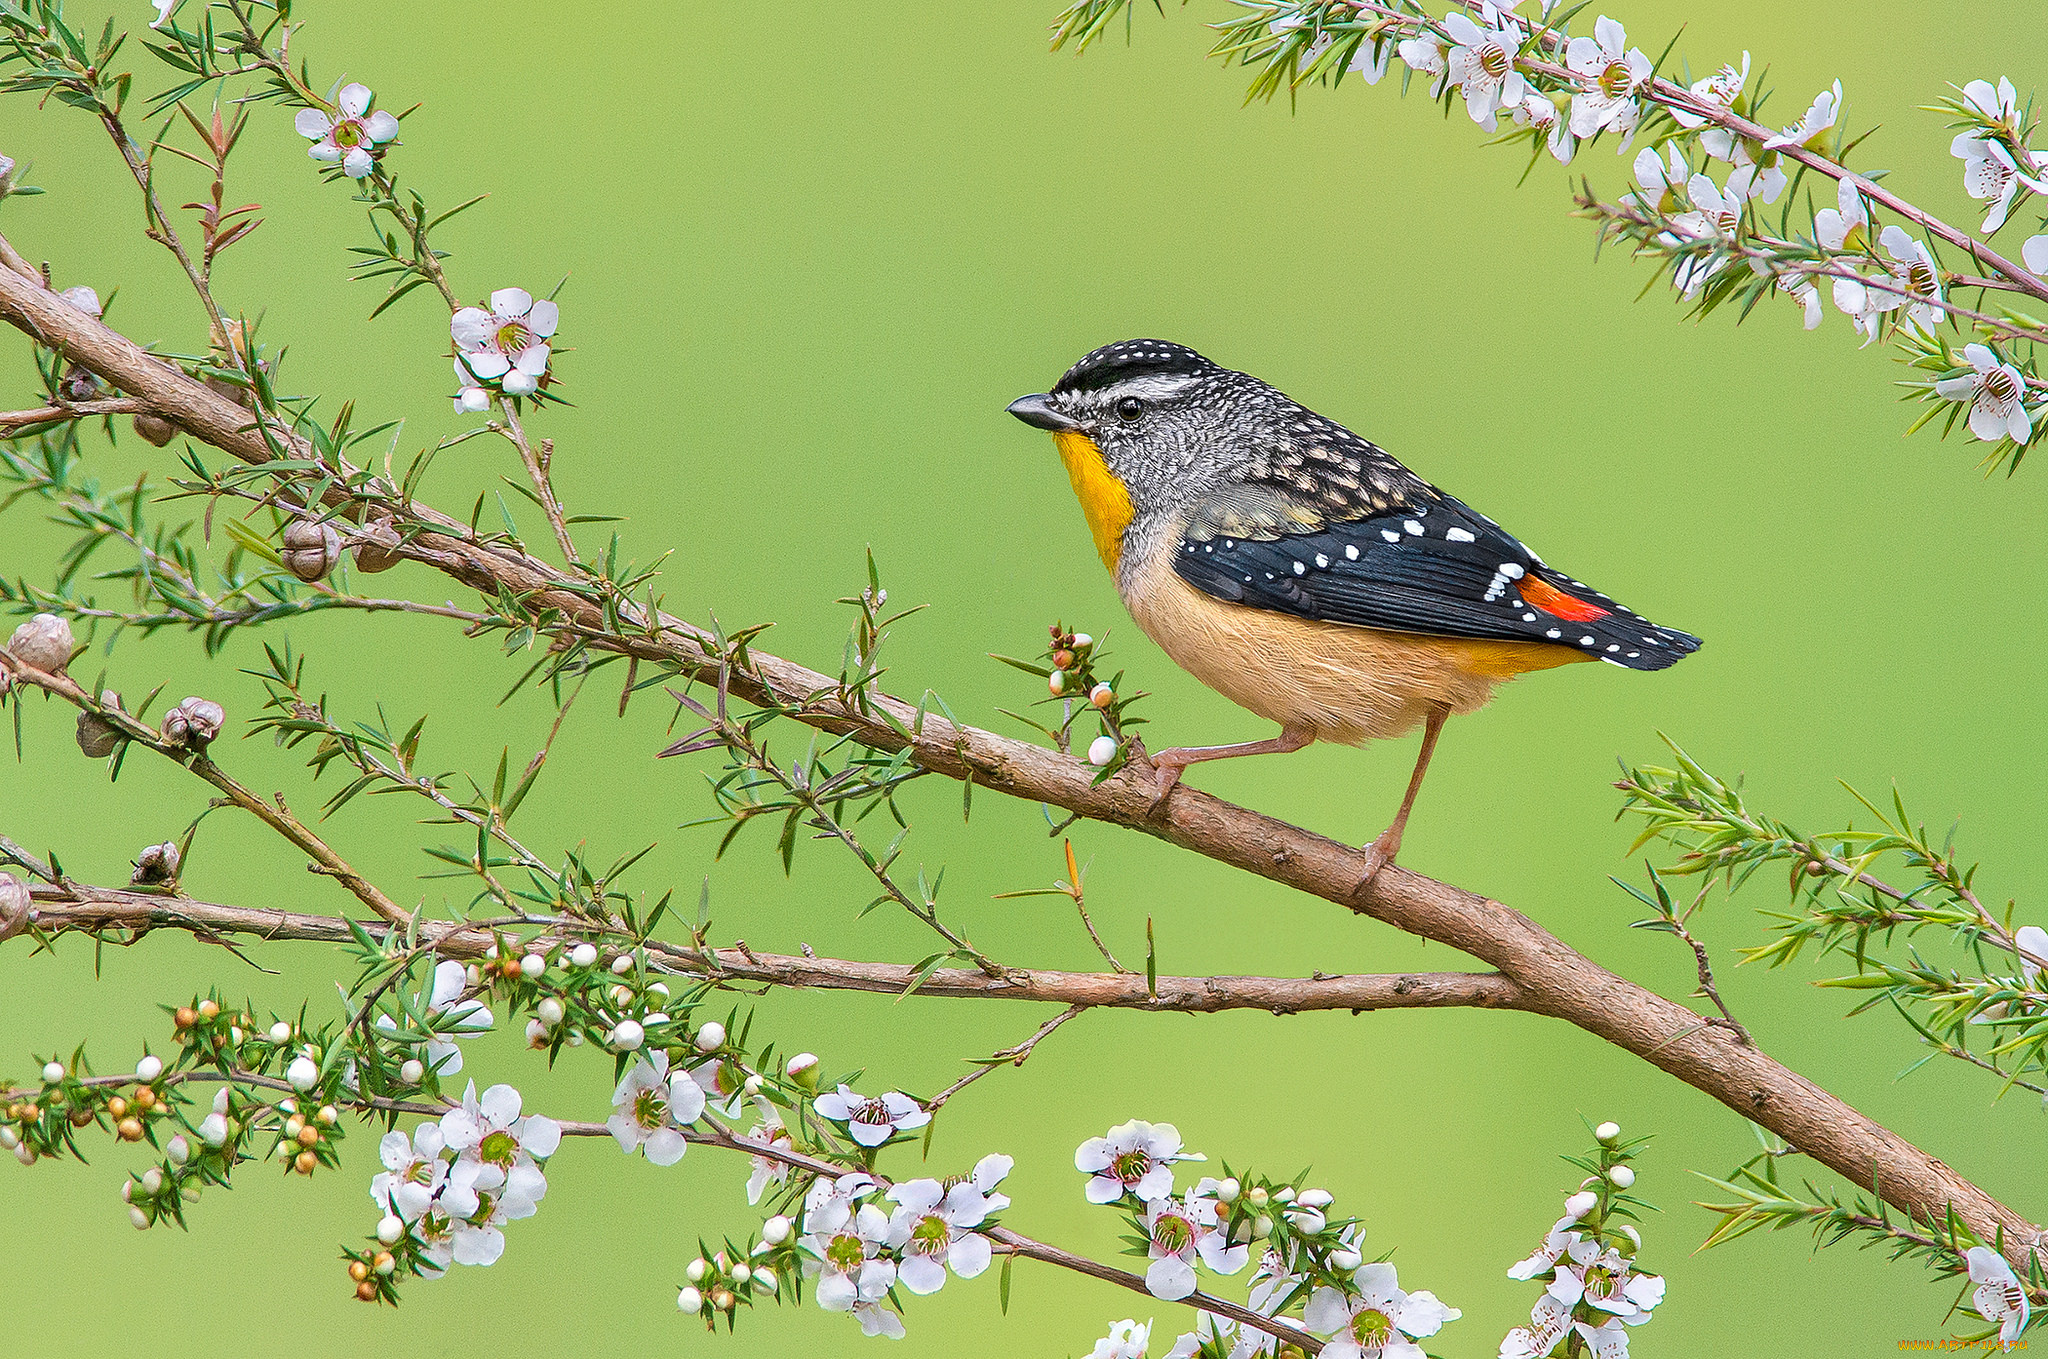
[1113, 363]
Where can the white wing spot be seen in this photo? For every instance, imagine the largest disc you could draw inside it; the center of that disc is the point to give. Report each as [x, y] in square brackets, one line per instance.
[1614, 646]
[1458, 535]
[1301, 568]
[1412, 527]
[1528, 618]
[1351, 552]
[1390, 535]
[1553, 633]
[1321, 560]
[1585, 641]
[1511, 570]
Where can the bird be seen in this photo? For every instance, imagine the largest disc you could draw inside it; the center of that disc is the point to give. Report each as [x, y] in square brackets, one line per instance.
[1304, 573]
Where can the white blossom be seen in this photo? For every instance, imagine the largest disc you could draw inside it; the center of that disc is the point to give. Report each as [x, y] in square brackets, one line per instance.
[1539, 111]
[933, 1227]
[1999, 107]
[1369, 63]
[650, 1108]
[163, 12]
[1718, 90]
[1914, 273]
[1612, 72]
[1179, 1231]
[507, 345]
[1997, 395]
[448, 1017]
[1379, 1321]
[1135, 1157]
[872, 1122]
[766, 1169]
[490, 1129]
[1608, 1340]
[1989, 172]
[1846, 226]
[1482, 65]
[1127, 1339]
[1813, 125]
[847, 1256]
[350, 138]
[1602, 1279]
[1427, 54]
[1548, 1322]
[876, 1319]
[1998, 1297]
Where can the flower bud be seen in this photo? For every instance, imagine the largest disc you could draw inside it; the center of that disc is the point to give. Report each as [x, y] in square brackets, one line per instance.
[213, 1130]
[533, 966]
[621, 994]
[390, 1229]
[129, 1129]
[1102, 750]
[1082, 641]
[1580, 1204]
[328, 1116]
[1607, 1132]
[776, 1230]
[138, 1217]
[412, 1071]
[148, 1069]
[1228, 1190]
[220, 1101]
[25, 1154]
[1346, 1260]
[722, 1299]
[1635, 1238]
[550, 1011]
[697, 1269]
[1101, 696]
[752, 1085]
[281, 1032]
[689, 1299]
[178, 1150]
[43, 643]
[152, 1181]
[9, 1138]
[310, 550]
[622, 964]
[536, 1034]
[209, 1009]
[628, 1035]
[1262, 1227]
[1062, 658]
[1622, 1177]
[53, 1072]
[156, 864]
[17, 908]
[303, 1074]
[711, 1037]
[1258, 1197]
[1056, 682]
[803, 1069]
[1315, 1198]
[98, 737]
[740, 1271]
[194, 723]
[764, 1277]
[305, 1163]
[583, 955]
[383, 1262]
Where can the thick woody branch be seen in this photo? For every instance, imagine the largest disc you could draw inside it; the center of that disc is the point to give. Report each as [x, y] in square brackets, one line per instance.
[1550, 978]
[82, 908]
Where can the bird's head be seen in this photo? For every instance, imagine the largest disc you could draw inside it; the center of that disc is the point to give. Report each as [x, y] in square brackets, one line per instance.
[1146, 426]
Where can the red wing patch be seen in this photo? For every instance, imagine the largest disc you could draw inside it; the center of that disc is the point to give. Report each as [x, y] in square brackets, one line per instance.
[1557, 603]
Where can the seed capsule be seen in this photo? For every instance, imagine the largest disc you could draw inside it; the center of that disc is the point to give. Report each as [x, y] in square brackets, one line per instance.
[310, 550]
[43, 643]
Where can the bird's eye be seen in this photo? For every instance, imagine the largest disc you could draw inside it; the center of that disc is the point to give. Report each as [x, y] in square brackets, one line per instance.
[1130, 408]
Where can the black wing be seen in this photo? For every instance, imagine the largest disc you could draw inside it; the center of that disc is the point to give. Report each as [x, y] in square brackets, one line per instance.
[1435, 566]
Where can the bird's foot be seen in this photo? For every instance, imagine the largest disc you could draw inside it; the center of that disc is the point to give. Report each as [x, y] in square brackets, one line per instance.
[1378, 855]
[1166, 772]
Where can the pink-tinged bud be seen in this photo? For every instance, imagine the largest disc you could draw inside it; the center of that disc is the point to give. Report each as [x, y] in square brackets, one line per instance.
[803, 1069]
[1580, 1204]
[689, 1299]
[1057, 682]
[1101, 696]
[43, 643]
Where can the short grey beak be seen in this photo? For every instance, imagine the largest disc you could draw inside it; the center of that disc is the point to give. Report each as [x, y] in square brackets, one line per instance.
[1033, 411]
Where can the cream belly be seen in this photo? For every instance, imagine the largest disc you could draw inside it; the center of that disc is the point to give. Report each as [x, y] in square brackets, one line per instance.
[1341, 683]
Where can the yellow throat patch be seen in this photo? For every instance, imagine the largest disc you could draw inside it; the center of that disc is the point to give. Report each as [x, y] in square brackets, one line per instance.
[1104, 501]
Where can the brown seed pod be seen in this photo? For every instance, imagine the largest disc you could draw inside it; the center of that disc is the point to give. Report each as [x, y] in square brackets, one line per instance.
[305, 1162]
[43, 643]
[366, 1291]
[98, 737]
[358, 1271]
[129, 1129]
[155, 429]
[310, 550]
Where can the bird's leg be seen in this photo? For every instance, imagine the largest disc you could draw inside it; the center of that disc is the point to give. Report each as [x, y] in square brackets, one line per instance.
[1382, 850]
[1170, 764]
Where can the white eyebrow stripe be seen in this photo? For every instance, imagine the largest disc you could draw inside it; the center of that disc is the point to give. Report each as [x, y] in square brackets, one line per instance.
[1147, 387]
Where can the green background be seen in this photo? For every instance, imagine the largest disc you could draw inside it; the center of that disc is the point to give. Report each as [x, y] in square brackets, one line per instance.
[811, 252]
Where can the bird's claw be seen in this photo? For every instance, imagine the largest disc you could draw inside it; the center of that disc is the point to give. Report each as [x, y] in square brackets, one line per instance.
[1378, 855]
[1165, 778]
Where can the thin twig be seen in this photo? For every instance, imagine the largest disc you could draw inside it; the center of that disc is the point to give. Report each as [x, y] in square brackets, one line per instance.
[1015, 1056]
